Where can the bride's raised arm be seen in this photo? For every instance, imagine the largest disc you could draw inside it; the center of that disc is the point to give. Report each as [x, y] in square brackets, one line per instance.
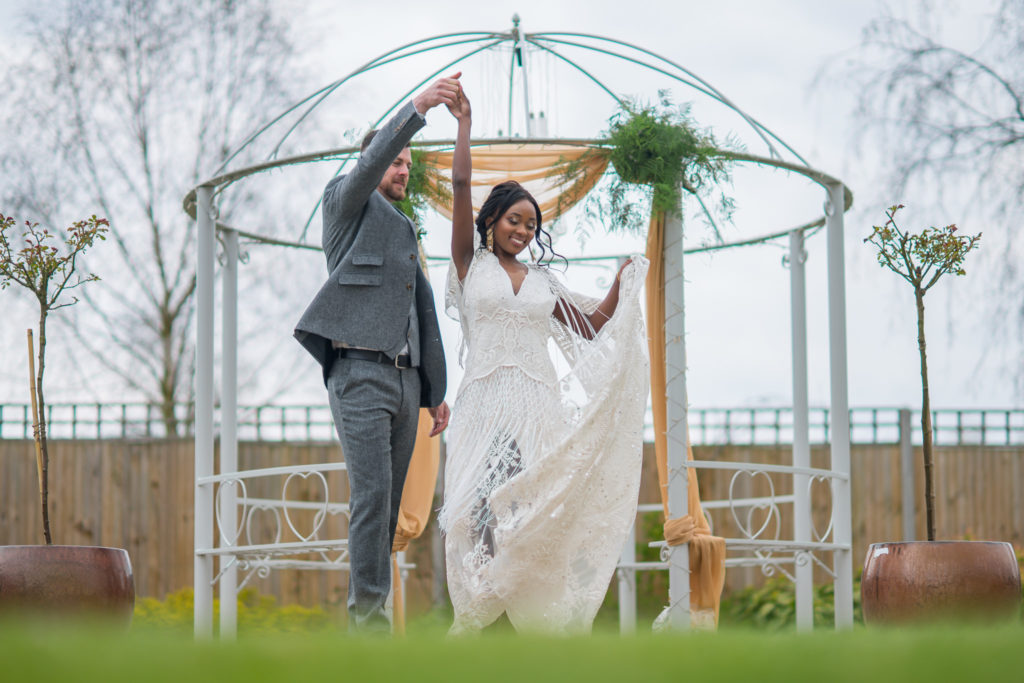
[462, 202]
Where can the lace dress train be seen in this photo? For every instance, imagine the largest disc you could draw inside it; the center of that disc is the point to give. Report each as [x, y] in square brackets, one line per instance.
[542, 472]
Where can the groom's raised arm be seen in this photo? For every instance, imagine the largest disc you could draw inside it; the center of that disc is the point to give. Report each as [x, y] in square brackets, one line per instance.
[344, 198]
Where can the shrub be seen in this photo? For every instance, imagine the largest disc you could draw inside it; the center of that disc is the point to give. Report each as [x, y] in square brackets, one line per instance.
[256, 614]
[772, 606]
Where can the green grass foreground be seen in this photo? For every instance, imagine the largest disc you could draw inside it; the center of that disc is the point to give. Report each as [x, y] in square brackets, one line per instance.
[37, 652]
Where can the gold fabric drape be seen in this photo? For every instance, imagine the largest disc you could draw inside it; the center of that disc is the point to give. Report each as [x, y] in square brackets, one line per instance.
[707, 552]
[417, 501]
[531, 165]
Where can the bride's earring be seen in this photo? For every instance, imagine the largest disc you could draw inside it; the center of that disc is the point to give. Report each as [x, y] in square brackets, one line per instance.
[533, 257]
[490, 239]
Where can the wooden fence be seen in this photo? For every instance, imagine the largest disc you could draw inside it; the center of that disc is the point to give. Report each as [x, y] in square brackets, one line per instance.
[137, 494]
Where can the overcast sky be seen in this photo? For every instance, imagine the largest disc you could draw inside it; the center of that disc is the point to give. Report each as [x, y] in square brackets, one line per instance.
[764, 55]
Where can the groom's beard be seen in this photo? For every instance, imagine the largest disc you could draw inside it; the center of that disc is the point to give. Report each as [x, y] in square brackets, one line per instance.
[393, 192]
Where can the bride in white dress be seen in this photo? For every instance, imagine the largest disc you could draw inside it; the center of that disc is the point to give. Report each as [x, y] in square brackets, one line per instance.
[542, 471]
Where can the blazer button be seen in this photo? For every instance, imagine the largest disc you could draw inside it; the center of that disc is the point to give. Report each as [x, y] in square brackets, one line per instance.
[412, 257]
[408, 285]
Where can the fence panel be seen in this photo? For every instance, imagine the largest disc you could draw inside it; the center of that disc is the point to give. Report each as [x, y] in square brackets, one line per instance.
[708, 426]
[137, 494]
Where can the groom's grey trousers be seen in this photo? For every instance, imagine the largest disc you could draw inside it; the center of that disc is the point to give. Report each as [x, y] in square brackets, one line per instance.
[374, 292]
[376, 410]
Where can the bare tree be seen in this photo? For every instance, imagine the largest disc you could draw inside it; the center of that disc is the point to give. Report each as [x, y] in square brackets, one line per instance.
[951, 119]
[122, 106]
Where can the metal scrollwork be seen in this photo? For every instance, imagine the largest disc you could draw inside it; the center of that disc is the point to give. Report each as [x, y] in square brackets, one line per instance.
[802, 558]
[604, 281]
[342, 556]
[230, 484]
[770, 506]
[249, 516]
[814, 528]
[318, 519]
[257, 544]
[665, 553]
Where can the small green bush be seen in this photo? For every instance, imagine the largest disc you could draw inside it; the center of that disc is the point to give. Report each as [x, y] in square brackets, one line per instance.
[772, 606]
[1020, 563]
[256, 614]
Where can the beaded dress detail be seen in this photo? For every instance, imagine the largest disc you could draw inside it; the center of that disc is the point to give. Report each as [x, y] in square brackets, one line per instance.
[543, 469]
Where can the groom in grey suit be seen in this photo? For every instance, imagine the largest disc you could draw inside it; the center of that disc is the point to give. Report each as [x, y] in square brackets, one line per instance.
[373, 329]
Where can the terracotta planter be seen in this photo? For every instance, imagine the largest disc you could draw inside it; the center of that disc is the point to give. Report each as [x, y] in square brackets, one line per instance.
[928, 581]
[67, 580]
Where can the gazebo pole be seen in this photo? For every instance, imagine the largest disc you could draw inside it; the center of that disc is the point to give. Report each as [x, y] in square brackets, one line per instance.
[676, 410]
[840, 409]
[520, 49]
[203, 567]
[801, 436]
[229, 435]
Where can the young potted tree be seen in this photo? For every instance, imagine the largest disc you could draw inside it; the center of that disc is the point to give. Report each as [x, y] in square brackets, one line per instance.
[928, 580]
[55, 578]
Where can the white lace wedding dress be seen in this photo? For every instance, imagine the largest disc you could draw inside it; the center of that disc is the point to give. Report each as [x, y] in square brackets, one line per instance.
[542, 471]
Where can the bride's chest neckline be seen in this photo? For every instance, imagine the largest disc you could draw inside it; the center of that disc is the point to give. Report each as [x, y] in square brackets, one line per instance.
[497, 285]
[516, 280]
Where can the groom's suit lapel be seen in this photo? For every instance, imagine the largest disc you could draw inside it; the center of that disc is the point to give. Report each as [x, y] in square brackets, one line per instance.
[408, 221]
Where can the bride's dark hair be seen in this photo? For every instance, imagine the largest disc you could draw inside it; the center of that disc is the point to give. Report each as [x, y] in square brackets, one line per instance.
[502, 197]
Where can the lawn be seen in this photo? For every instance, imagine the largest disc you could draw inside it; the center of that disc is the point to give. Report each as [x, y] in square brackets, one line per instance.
[42, 652]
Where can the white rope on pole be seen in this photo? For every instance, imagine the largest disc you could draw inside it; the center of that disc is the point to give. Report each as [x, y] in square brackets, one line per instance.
[676, 407]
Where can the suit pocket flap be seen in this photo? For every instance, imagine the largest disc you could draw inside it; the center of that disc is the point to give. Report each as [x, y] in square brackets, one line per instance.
[348, 278]
[367, 260]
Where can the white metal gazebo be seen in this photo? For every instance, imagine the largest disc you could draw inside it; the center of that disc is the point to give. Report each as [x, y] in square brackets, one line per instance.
[224, 509]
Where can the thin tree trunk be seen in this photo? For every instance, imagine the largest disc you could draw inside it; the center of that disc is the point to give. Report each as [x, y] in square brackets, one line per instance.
[926, 420]
[168, 382]
[170, 420]
[45, 490]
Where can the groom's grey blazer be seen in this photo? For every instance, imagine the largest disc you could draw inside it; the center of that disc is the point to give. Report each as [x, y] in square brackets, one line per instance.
[373, 260]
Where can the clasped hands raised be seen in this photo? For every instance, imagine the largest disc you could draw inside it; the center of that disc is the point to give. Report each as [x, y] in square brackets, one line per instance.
[447, 91]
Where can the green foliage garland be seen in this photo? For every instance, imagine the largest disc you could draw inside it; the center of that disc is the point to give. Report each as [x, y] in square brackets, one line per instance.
[425, 185]
[653, 149]
[661, 148]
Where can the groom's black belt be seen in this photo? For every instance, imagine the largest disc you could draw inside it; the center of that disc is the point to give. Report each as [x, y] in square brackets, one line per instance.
[401, 362]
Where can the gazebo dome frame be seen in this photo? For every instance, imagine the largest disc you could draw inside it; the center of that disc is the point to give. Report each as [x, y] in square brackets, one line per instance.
[216, 493]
